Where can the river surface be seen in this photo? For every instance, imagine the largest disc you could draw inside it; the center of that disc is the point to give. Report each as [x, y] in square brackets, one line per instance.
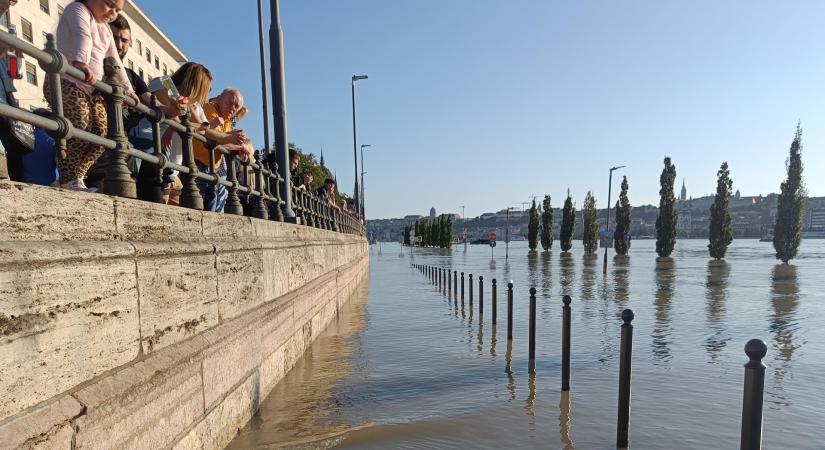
[404, 367]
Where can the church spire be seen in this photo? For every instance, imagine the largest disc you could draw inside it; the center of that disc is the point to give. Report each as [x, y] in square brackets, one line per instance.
[322, 157]
[683, 197]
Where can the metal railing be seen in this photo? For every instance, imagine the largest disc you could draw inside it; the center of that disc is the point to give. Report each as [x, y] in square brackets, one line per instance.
[262, 191]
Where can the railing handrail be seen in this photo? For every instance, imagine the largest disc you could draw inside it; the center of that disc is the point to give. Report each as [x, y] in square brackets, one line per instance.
[55, 65]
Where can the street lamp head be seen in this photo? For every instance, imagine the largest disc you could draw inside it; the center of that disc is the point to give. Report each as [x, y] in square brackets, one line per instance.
[365, 146]
[616, 168]
[359, 77]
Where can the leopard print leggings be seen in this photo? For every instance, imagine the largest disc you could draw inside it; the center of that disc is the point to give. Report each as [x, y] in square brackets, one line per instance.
[85, 113]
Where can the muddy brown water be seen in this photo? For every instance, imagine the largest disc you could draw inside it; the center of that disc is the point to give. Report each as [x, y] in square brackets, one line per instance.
[403, 367]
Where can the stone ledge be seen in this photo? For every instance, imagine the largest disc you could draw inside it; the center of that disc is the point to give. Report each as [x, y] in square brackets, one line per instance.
[47, 423]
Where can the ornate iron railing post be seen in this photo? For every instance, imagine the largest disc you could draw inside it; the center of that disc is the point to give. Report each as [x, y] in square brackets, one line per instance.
[233, 203]
[190, 196]
[258, 206]
[53, 70]
[119, 179]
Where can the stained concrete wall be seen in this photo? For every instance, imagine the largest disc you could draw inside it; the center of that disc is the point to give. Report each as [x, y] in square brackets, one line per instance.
[125, 324]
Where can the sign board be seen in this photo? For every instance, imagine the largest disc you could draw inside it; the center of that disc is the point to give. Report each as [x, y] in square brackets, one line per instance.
[418, 239]
[492, 243]
[493, 237]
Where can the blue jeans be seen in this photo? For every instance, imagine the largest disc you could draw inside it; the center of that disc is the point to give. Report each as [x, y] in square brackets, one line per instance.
[214, 197]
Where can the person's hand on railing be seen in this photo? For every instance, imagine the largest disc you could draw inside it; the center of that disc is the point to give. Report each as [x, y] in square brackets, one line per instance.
[90, 78]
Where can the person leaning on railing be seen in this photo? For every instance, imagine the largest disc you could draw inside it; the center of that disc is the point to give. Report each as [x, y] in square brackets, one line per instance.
[219, 113]
[193, 82]
[84, 37]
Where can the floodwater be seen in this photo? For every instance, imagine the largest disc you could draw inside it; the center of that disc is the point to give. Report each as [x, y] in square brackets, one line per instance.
[404, 367]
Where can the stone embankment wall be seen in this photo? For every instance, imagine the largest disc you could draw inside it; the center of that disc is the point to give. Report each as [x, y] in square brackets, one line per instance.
[125, 324]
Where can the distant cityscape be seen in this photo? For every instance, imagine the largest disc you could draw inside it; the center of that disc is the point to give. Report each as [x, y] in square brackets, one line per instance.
[753, 218]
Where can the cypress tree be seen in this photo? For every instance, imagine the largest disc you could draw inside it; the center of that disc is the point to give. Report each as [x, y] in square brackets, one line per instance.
[666, 221]
[407, 235]
[449, 233]
[721, 226]
[568, 224]
[620, 242]
[533, 227]
[546, 224]
[590, 234]
[417, 228]
[787, 232]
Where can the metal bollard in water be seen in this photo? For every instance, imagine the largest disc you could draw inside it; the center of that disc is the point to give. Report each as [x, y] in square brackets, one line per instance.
[532, 331]
[510, 310]
[751, 436]
[455, 285]
[565, 344]
[471, 289]
[462, 288]
[494, 301]
[449, 281]
[624, 379]
[480, 294]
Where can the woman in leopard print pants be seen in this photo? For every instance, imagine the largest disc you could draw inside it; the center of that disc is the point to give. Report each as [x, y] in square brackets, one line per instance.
[85, 113]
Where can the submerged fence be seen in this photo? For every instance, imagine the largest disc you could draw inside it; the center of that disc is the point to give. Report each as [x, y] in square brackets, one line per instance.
[268, 194]
[755, 349]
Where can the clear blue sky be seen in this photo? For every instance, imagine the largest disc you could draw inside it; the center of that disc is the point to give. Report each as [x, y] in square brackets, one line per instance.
[483, 103]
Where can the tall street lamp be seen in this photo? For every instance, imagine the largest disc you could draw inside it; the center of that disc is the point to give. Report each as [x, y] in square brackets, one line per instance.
[607, 221]
[277, 79]
[354, 142]
[363, 207]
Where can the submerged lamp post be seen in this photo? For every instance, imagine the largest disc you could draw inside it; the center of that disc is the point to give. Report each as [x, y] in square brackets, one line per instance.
[358, 200]
[607, 219]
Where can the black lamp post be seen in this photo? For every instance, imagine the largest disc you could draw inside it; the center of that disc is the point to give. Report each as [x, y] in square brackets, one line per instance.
[363, 203]
[607, 221]
[355, 142]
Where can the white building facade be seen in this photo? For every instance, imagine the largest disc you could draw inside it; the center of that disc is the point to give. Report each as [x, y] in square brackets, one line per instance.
[152, 54]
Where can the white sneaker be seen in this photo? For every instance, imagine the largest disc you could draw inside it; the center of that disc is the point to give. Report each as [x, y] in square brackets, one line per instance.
[78, 186]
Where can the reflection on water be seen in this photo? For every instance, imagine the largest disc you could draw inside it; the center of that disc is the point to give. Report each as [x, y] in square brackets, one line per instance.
[493, 342]
[567, 273]
[532, 268]
[410, 375]
[508, 369]
[314, 412]
[621, 289]
[783, 322]
[664, 295]
[716, 293]
[565, 408]
[589, 275]
[530, 401]
[546, 275]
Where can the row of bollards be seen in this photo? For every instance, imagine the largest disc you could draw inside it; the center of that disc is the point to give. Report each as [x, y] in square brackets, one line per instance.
[754, 384]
